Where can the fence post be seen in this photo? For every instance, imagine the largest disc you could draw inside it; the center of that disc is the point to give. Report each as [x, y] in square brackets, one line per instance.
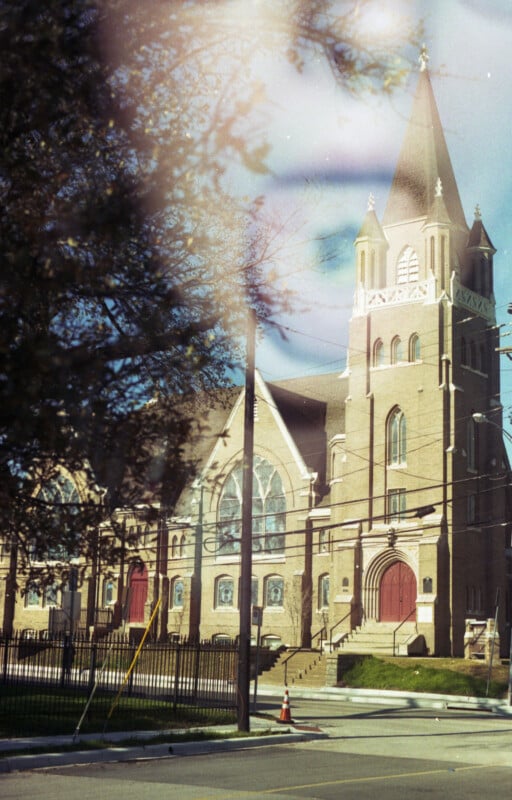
[176, 675]
[196, 669]
[7, 641]
[92, 668]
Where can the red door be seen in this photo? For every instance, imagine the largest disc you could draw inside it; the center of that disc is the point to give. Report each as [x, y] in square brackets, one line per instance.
[398, 593]
[138, 593]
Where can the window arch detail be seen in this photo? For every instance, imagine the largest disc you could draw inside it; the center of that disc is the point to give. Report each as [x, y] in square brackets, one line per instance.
[378, 353]
[61, 505]
[396, 438]
[224, 592]
[268, 510]
[274, 591]
[414, 348]
[177, 593]
[323, 591]
[397, 354]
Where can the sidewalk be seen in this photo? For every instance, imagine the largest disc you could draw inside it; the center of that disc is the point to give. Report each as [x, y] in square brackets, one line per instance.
[274, 733]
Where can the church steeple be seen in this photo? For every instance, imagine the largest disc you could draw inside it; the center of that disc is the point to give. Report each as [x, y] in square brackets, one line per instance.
[423, 160]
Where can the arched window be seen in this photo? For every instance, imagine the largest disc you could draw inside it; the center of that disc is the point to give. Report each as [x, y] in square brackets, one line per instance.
[274, 591]
[472, 355]
[222, 639]
[432, 254]
[60, 504]
[272, 641]
[323, 591]
[396, 350]
[33, 595]
[109, 592]
[463, 351]
[363, 267]
[378, 353]
[254, 591]
[224, 592]
[51, 595]
[268, 510]
[174, 547]
[372, 269]
[177, 594]
[414, 348]
[182, 546]
[482, 365]
[471, 444]
[408, 266]
[396, 438]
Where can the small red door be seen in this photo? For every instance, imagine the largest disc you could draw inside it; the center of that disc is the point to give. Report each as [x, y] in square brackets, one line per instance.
[397, 599]
[138, 593]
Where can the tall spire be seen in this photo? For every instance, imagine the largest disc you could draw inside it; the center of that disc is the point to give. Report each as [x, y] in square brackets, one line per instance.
[422, 161]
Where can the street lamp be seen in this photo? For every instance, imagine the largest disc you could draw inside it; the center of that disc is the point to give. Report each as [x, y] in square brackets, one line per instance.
[480, 418]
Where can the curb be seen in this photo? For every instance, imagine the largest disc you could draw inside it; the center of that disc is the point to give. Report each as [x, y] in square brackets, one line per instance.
[150, 752]
[395, 698]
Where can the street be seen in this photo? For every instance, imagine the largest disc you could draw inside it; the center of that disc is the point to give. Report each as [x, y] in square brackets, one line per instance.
[371, 749]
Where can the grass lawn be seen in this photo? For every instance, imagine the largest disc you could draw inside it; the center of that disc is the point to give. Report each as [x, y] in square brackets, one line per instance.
[28, 711]
[456, 676]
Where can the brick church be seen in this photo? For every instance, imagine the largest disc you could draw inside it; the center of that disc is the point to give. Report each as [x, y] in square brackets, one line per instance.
[380, 499]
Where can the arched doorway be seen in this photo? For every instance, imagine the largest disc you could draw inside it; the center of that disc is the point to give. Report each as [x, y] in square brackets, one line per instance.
[397, 595]
[138, 593]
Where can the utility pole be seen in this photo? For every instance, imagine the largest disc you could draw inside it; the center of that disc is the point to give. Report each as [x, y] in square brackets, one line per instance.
[244, 639]
[196, 600]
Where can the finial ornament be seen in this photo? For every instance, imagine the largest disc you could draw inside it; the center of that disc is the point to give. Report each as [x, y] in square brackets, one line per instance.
[423, 58]
[439, 188]
[478, 213]
[371, 202]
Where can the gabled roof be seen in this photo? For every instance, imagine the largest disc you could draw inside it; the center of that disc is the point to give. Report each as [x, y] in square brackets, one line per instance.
[422, 161]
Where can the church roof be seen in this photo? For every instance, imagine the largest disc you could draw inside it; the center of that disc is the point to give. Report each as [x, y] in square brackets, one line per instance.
[313, 410]
[478, 236]
[423, 159]
[371, 228]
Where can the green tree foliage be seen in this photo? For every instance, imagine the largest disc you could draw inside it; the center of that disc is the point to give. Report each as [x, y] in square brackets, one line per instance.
[128, 262]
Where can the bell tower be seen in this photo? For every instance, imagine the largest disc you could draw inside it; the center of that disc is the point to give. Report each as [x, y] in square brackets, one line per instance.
[422, 361]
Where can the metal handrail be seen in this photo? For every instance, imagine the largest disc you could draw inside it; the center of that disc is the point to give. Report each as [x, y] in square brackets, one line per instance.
[299, 649]
[411, 612]
[333, 628]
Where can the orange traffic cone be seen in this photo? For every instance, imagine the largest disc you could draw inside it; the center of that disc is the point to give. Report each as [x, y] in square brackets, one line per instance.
[285, 708]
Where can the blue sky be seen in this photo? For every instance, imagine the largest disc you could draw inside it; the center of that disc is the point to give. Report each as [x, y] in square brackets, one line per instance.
[329, 152]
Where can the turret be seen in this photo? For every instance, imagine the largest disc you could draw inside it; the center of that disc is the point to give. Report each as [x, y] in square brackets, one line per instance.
[371, 246]
[437, 232]
[478, 273]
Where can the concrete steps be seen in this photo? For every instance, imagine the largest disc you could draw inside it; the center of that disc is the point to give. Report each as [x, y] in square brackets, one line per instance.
[383, 638]
[305, 668]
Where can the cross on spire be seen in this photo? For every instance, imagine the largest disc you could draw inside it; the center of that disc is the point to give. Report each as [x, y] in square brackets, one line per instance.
[423, 58]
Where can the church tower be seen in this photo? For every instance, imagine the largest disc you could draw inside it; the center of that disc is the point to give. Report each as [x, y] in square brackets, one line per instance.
[421, 495]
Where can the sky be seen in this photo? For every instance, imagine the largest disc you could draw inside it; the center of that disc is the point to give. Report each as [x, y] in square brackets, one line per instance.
[329, 152]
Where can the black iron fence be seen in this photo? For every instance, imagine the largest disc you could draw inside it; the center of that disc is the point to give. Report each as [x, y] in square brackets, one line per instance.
[60, 673]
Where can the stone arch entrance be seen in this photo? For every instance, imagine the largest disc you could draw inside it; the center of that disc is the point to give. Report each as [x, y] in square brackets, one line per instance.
[138, 593]
[397, 593]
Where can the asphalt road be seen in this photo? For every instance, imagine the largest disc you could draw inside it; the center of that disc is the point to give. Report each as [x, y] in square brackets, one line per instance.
[392, 753]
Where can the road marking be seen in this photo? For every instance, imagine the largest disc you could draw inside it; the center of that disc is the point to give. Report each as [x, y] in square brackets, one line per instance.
[347, 781]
